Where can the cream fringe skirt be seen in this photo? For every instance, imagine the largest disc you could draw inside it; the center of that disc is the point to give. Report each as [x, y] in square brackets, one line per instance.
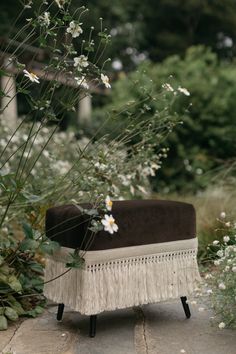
[124, 277]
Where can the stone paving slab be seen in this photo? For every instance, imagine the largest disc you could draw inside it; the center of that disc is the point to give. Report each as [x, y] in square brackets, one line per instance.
[152, 329]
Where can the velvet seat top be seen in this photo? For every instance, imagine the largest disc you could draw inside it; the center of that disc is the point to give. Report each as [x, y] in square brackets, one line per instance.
[140, 222]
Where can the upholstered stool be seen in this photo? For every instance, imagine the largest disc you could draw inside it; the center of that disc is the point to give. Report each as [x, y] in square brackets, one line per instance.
[151, 258]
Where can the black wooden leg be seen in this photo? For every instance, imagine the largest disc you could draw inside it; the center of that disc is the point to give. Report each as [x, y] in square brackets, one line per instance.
[185, 306]
[60, 312]
[92, 329]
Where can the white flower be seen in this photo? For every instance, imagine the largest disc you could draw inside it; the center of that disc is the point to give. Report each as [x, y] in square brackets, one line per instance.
[105, 80]
[182, 351]
[222, 286]
[184, 91]
[45, 19]
[226, 239]
[108, 203]
[5, 230]
[60, 3]
[221, 325]
[62, 167]
[46, 153]
[81, 62]
[217, 262]
[220, 253]
[109, 224]
[215, 242]
[209, 291]
[228, 224]
[227, 268]
[31, 76]
[75, 29]
[100, 166]
[234, 269]
[223, 215]
[208, 276]
[81, 81]
[168, 87]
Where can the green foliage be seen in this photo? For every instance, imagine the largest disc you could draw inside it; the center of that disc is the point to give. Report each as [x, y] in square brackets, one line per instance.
[21, 275]
[207, 136]
[165, 27]
[75, 261]
[220, 283]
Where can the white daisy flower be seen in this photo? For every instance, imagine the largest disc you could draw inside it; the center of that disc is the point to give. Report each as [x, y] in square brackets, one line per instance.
[81, 61]
[168, 87]
[81, 81]
[221, 325]
[108, 203]
[60, 3]
[220, 253]
[31, 76]
[109, 224]
[208, 276]
[234, 269]
[226, 239]
[105, 80]
[223, 215]
[222, 286]
[215, 242]
[45, 19]
[217, 262]
[184, 91]
[74, 29]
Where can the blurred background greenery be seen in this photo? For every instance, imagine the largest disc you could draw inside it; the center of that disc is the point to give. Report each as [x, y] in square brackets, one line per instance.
[191, 44]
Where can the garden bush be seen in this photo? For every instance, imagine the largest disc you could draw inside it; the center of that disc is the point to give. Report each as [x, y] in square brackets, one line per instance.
[206, 140]
[220, 282]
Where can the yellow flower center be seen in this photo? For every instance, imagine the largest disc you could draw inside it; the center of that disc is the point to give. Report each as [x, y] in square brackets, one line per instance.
[109, 203]
[111, 222]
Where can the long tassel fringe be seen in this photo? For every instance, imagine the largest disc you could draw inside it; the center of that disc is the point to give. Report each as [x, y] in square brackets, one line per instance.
[124, 282]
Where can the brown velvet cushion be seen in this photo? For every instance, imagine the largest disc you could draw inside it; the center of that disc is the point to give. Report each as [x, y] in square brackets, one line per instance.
[140, 222]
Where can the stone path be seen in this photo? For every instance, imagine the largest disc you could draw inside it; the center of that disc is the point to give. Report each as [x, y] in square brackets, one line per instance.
[152, 329]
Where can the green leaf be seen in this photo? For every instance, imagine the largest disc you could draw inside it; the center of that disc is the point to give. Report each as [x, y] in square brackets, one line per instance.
[49, 247]
[75, 261]
[2, 309]
[4, 288]
[35, 312]
[14, 283]
[36, 267]
[4, 73]
[3, 323]
[33, 198]
[10, 313]
[15, 305]
[5, 269]
[29, 245]
[92, 212]
[28, 231]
